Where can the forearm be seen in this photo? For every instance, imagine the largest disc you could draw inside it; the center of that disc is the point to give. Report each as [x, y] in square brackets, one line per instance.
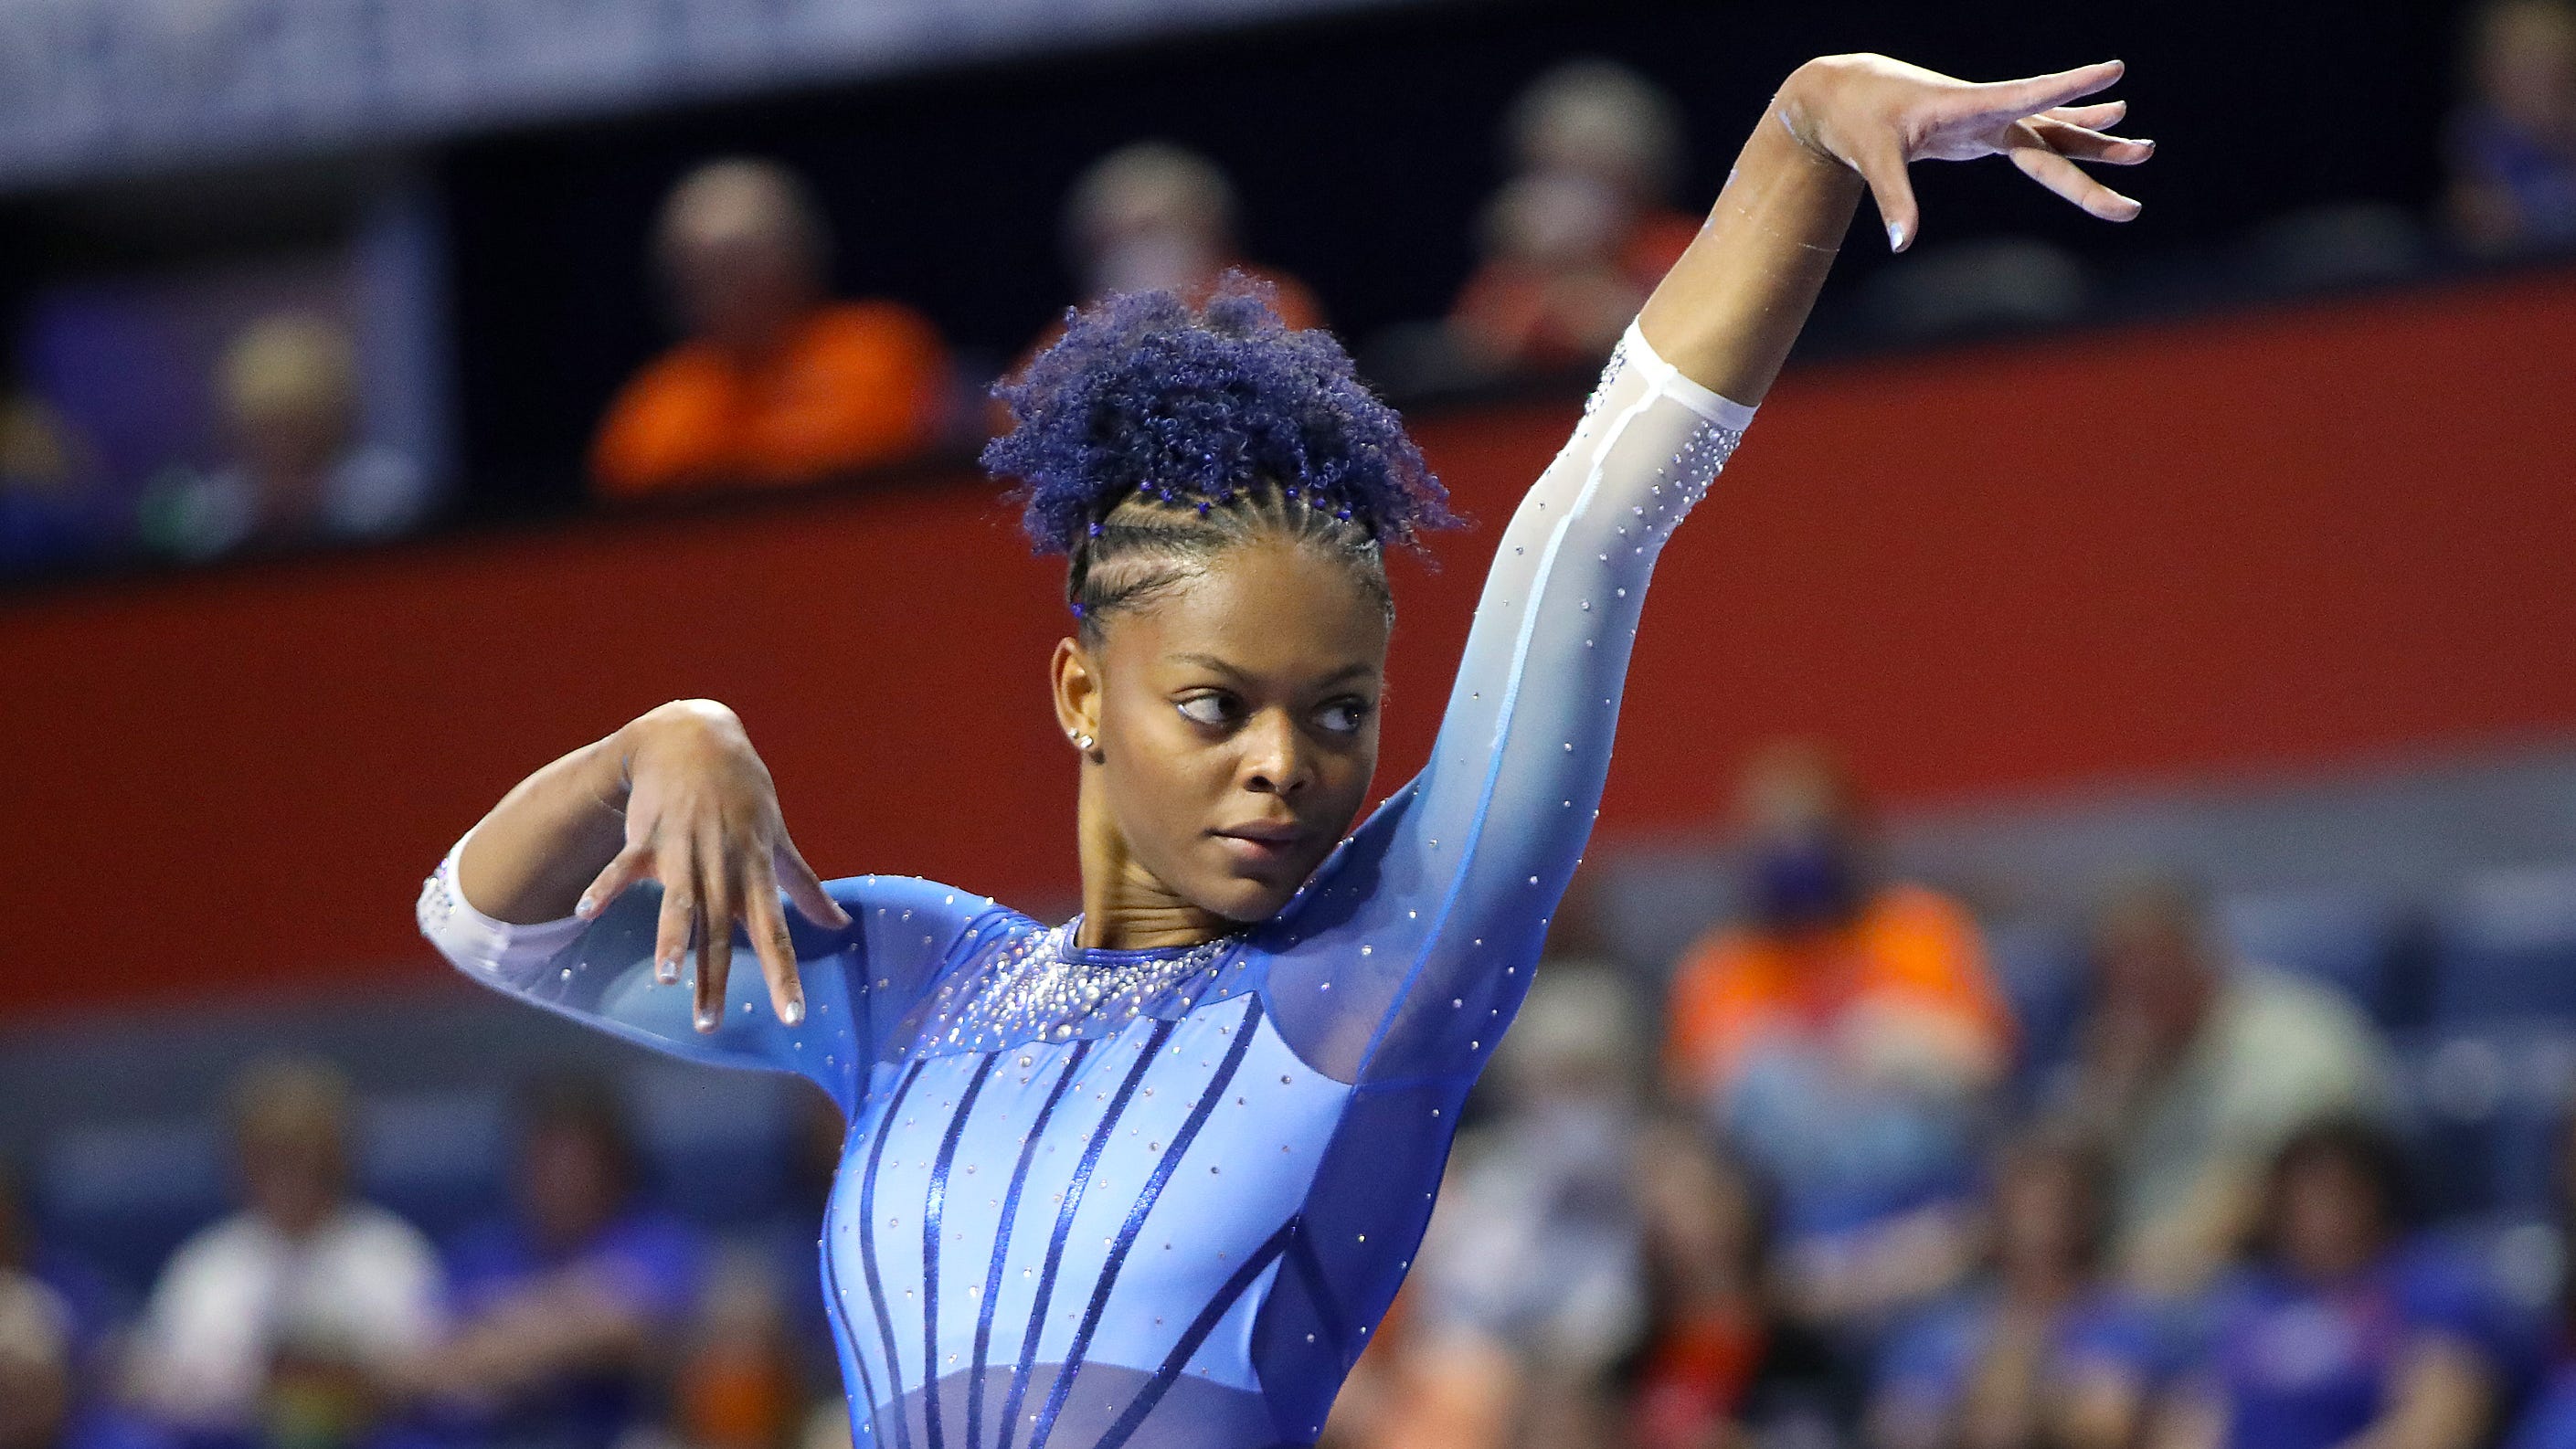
[530, 858]
[1728, 312]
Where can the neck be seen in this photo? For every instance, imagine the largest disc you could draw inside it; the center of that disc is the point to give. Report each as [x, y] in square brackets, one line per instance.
[1124, 908]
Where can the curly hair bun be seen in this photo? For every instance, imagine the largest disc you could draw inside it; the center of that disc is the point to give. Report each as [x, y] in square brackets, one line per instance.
[1190, 406]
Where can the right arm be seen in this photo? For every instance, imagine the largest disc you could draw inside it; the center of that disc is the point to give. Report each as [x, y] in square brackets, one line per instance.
[677, 795]
[586, 890]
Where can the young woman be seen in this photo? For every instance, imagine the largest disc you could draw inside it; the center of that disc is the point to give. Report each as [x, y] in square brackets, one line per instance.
[1150, 1176]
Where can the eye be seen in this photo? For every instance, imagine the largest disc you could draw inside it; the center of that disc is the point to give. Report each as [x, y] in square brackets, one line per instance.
[1343, 716]
[1207, 709]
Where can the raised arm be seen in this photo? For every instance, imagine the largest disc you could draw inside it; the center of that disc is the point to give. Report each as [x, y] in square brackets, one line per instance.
[1414, 946]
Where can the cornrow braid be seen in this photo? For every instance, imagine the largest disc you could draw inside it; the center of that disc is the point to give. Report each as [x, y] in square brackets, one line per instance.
[1146, 545]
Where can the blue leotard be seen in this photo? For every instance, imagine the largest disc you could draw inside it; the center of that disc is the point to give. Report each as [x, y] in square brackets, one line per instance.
[1095, 1198]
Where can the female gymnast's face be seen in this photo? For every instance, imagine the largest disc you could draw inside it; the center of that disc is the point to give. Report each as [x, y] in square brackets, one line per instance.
[1236, 720]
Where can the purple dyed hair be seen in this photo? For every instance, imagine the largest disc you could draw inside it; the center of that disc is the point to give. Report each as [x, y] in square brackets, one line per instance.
[1195, 408]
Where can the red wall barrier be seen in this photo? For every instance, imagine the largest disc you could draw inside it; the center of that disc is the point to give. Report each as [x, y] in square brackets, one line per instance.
[2261, 541]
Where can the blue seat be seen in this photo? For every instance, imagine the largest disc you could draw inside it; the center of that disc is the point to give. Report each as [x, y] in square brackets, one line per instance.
[2487, 1112]
[2504, 950]
[716, 1143]
[2039, 967]
[2340, 936]
[124, 1195]
[440, 1159]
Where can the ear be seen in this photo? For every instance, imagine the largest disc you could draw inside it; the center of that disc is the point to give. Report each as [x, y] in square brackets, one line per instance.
[1074, 680]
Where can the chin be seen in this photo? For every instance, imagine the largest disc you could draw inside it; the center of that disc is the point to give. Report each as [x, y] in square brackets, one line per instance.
[1246, 900]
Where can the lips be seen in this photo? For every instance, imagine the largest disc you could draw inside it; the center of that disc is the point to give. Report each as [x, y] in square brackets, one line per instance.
[1261, 842]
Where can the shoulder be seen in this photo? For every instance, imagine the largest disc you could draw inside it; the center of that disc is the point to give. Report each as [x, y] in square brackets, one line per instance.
[1922, 911]
[2437, 1285]
[685, 370]
[220, 1249]
[909, 918]
[868, 325]
[892, 895]
[366, 1231]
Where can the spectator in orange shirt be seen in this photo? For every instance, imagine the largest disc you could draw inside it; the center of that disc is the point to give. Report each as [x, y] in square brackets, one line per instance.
[1583, 230]
[1154, 216]
[776, 384]
[1844, 1039]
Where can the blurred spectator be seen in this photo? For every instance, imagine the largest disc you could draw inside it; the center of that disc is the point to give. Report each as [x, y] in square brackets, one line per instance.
[45, 477]
[35, 1365]
[1533, 1260]
[1153, 216]
[2549, 1422]
[786, 1238]
[1599, 120]
[1721, 1363]
[1551, 293]
[298, 1310]
[2512, 143]
[88, 1304]
[2195, 1070]
[739, 1384]
[776, 384]
[2341, 1333]
[1845, 1038]
[287, 391]
[1582, 230]
[2040, 1353]
[567, 1307]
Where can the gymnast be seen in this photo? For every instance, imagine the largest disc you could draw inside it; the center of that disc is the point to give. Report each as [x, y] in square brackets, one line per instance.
[1150, 1176]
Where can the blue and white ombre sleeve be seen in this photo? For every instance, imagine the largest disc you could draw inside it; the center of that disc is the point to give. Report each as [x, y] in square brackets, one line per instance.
[859, 981]
[1406, 955]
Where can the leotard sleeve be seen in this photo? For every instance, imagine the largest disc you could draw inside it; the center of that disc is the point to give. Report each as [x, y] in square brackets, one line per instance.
[859, 981]
[1406, 955]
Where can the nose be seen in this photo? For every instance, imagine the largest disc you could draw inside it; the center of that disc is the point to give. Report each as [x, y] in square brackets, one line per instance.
[1275, 759]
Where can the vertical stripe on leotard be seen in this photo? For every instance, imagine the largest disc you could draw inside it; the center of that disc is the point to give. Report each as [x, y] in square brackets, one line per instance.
[868, 1252]
[1200, 1327]
[1002, 1243]
[839, 1312]
[933, 1202]
[1064, 1226]
[1180, 1145]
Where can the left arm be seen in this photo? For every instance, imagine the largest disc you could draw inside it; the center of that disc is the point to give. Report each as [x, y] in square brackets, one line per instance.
[1445, 896]
[2444, 1398]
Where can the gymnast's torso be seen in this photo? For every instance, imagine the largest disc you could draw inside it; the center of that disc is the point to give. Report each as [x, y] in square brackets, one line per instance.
[1161, 1198]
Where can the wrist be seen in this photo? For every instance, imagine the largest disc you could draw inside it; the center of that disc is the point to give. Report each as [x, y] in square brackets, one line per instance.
[1799, 109]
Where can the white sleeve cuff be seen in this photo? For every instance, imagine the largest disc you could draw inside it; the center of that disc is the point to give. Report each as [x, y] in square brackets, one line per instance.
[1667, 380]
[475, 942]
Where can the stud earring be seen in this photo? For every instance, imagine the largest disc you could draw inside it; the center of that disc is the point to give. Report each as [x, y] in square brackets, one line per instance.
[1082, 742]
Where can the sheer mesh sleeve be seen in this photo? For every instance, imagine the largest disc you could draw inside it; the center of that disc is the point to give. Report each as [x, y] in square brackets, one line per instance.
[859, 981]
[1408, 953]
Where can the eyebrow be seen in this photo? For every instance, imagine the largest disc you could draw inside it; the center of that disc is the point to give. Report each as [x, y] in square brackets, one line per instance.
[1211, 662]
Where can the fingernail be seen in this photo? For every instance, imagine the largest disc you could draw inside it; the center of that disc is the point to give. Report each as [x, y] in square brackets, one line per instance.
[795, 1011]
[668, 971]
[707, 1018]
[1895, 237]
[584, 907]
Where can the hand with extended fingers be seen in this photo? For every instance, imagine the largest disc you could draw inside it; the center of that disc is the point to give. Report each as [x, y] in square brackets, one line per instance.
[702, 818]
[1874, 115]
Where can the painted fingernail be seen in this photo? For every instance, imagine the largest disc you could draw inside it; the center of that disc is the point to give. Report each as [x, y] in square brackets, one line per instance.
[1895, 237]
[795, 1011]
[707, 1018]
[584, 907]
[668, 971]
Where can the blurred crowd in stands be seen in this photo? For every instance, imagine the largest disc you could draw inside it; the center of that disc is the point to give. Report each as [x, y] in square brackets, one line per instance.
[775, 381]
[1834, 1177]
